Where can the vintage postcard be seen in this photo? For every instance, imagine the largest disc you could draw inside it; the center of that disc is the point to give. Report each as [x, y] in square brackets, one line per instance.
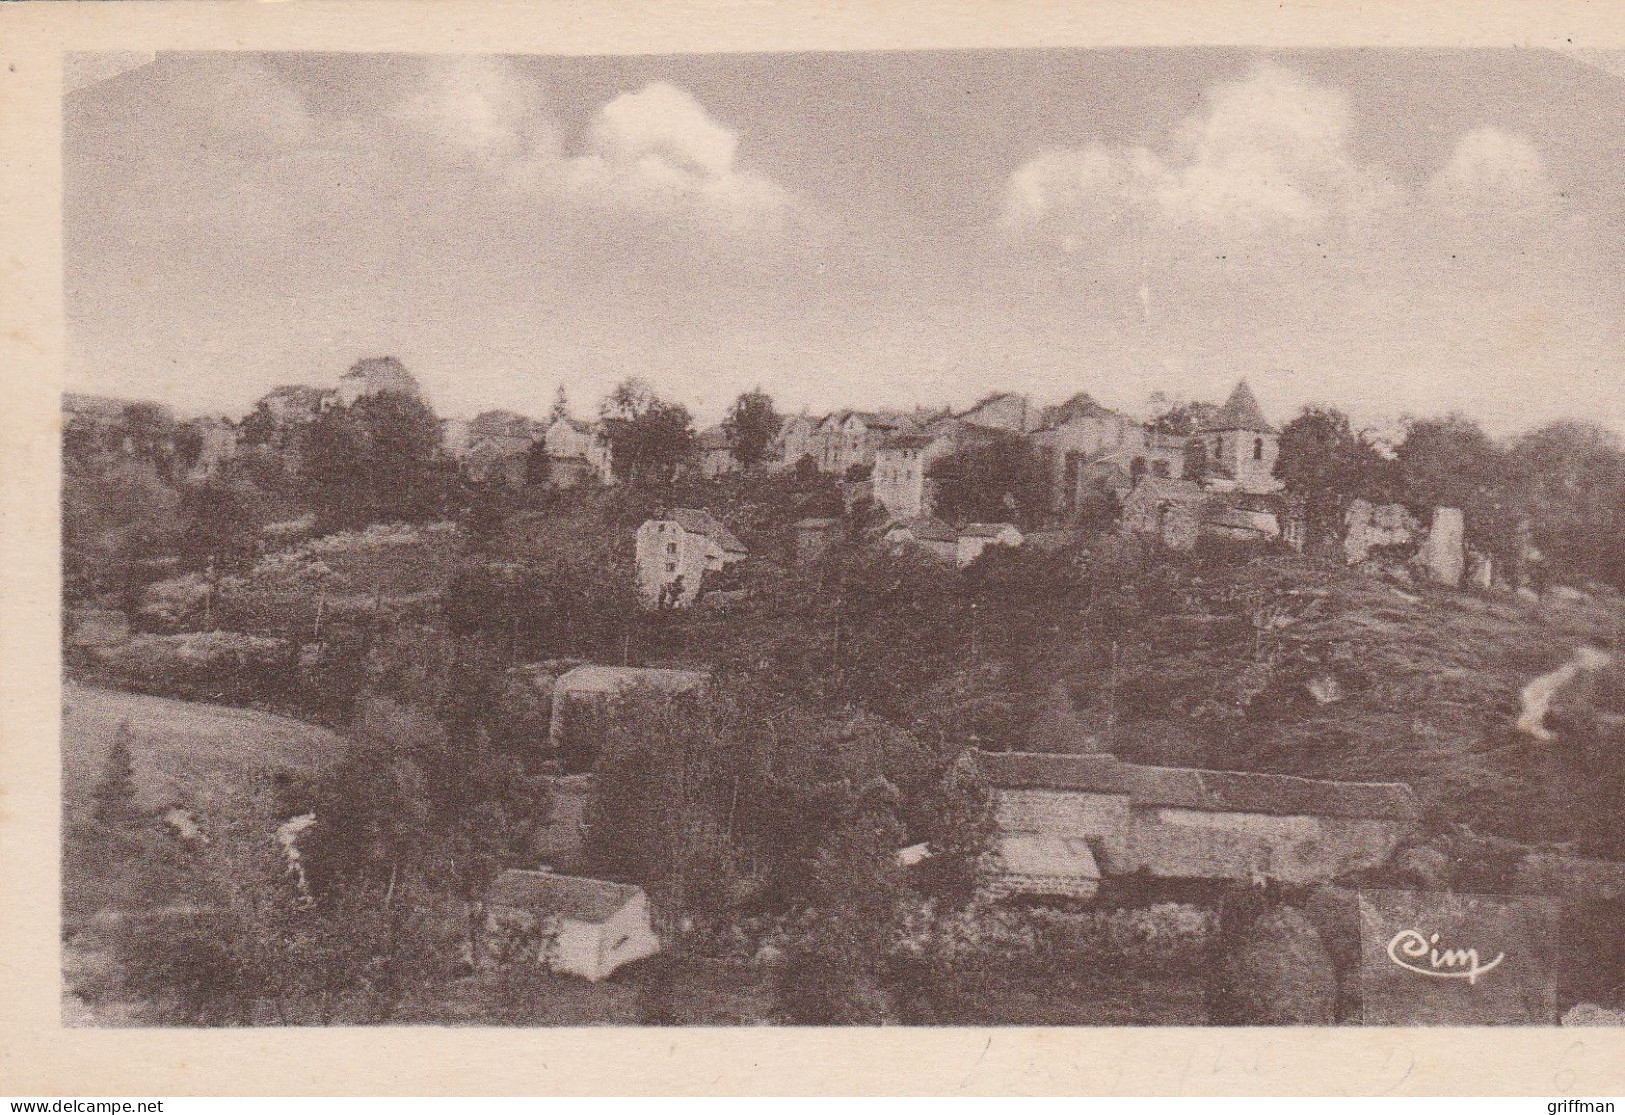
[990, 547]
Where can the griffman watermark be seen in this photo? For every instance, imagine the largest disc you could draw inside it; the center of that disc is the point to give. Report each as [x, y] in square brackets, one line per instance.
[1409, 948]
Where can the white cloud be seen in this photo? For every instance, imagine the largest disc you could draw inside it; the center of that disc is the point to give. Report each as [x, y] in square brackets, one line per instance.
[658, 150]
[1492, 170]
[655, 152]
[481, 108]
[1270, 150]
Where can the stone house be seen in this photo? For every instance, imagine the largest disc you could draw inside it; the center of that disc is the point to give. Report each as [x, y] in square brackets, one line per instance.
[961, 545]
[848, 439]
[1368, 526]
[1065, 822]
[581, 927]
[1169, 511]
[797, 438]
[899, 481]
[675, 553]
[577, 453]
[714, 449]
[1076, 434]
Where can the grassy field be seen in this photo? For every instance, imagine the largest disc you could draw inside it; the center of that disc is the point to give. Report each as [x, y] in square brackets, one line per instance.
[213, 761]
[206, 758]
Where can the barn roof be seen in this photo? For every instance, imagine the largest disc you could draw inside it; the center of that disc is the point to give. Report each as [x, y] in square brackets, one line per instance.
[1211, 791]
[619, 679]
[924, 528]
[1034, 770]
[565, 896]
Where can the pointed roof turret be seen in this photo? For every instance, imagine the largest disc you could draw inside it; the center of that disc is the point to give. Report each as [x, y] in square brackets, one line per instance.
[1240, 412]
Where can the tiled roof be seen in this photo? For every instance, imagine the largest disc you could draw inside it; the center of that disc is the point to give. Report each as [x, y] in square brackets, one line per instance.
[619, 679]
[813, 524]
[383, 373]
[1280, 794]
[1155, 487]
[1211, 791]
[1240, 412]
[926, 529]
[1033, 770]
[1081, 405]
[697, 521]
[567, 896]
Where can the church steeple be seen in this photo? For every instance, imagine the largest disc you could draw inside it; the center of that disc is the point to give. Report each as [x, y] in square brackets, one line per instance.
[1240, 412]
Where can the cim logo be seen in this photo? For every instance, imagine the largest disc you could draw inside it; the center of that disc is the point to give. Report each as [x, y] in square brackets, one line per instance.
[1420, 953]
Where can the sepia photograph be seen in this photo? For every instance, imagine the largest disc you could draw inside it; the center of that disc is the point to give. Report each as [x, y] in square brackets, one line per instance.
[1032, 537]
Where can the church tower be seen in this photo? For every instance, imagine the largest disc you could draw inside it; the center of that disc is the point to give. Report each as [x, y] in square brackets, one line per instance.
[1239, 443]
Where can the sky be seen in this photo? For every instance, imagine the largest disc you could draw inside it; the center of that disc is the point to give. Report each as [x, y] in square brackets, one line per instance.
[1389, 232]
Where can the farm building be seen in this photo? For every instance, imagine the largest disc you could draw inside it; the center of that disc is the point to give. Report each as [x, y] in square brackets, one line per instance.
[582, 697]
[1066, 821]
[582, 927]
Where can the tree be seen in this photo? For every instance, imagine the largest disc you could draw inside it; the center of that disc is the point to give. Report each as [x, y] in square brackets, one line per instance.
[1570, 480]
[997, 479]
[751, 426]
[1452, 462]
[221, 527]
[1327, 465]
[377, 460]
[119, 521]
[649, 438]
[148, 431]
[114, 808]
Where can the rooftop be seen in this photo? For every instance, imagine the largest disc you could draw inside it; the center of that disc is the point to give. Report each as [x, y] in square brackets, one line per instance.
[1240, 412]
[698, 521]
[1211, 791]
[619, 679]
[567, 896]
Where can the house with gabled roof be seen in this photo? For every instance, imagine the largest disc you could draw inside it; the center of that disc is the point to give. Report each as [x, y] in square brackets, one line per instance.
[566, 923]
[674, 554]
[1175, 823]
[577, 453]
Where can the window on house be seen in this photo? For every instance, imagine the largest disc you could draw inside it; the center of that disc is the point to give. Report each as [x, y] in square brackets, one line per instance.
[1258, 449]
[671, 567]
[671, 547]
[1159, 469]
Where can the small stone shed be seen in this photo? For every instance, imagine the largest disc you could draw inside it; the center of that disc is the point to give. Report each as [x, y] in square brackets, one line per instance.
[583, 927]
